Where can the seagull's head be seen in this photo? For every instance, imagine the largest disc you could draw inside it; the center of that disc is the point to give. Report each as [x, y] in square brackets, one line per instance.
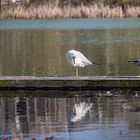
[72, 54]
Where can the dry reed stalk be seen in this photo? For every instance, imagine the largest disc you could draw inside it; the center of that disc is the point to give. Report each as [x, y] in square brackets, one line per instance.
[133, 11]
[49, 11]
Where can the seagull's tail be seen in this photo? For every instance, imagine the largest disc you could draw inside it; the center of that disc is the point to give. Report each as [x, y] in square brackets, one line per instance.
[96, 63]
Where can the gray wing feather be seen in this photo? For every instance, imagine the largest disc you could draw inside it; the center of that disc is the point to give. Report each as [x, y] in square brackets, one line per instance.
[83, 58]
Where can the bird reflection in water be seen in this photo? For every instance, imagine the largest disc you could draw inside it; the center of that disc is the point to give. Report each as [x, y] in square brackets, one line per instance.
[80, 110]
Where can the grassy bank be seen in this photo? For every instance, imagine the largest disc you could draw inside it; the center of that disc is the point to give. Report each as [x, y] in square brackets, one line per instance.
[47, 11]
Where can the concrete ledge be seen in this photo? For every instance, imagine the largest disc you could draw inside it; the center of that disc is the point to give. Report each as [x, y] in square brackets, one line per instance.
[69, 83]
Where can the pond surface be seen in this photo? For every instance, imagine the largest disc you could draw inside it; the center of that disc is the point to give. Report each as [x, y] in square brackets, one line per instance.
[38, 47]
[44, 114]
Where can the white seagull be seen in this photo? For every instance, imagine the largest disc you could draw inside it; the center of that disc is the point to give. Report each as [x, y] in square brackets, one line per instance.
[77, 59]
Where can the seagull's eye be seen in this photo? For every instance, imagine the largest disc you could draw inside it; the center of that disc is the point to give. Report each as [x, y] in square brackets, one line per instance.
[72, 54]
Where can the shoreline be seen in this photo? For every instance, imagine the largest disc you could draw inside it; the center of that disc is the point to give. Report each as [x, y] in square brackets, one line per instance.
[56, 12]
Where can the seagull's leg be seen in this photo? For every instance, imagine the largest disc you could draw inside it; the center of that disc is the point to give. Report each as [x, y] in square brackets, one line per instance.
[77, 72]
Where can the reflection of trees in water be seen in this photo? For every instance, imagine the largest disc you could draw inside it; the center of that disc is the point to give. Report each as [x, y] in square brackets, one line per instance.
[131, 111]
[46, 115]
[118, 50]
[42, 52]
[21, 114]
[34, 114]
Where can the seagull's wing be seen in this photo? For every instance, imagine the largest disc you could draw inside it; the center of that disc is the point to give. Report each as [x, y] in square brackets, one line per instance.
[83, 58]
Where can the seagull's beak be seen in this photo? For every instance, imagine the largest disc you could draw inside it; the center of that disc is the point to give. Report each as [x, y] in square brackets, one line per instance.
[73, 58]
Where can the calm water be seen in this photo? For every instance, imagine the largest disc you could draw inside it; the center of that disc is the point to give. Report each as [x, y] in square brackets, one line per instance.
[38, 47]
[44, 114]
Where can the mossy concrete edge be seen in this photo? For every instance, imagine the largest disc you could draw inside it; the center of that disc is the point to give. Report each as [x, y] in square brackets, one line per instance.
[68, 83]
